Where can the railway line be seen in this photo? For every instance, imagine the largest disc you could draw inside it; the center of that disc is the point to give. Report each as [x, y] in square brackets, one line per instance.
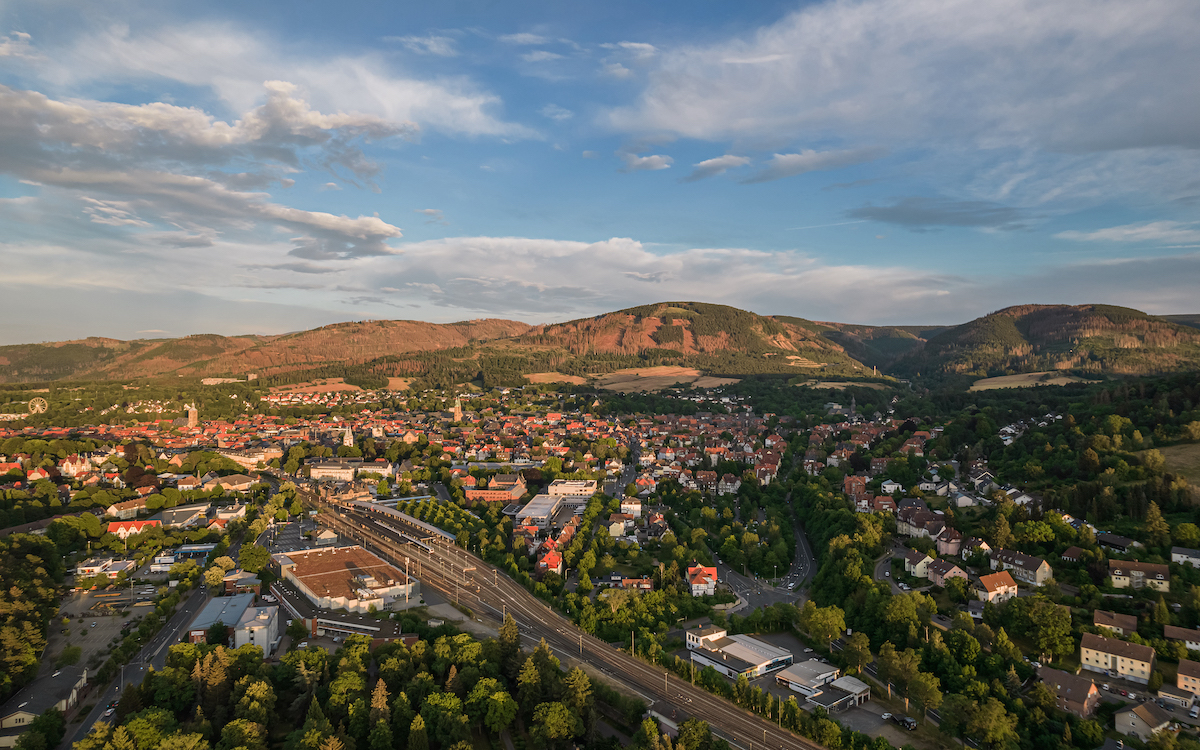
[457, 573]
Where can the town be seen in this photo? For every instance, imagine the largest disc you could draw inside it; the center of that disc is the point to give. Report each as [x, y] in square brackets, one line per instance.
[837, 573]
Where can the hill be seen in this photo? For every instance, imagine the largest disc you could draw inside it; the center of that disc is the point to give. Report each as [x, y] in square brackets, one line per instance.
[1082, 338]
[714, 339]
[212, 355]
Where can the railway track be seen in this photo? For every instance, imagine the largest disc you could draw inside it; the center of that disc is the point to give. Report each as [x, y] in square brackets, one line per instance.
[454, 572]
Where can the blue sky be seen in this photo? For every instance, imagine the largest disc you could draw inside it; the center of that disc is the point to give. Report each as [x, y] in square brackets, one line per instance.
[168, 169]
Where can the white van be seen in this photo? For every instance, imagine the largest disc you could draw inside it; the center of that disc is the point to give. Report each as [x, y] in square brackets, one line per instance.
[1195, 712]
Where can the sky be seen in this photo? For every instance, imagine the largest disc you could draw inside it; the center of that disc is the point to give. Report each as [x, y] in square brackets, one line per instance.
[170, 168]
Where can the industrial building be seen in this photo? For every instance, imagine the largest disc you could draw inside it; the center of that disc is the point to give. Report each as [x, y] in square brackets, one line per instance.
[227, 610]
[349, 578]
[258, 626]
[538, 511]
[735, 655]
[808, 677]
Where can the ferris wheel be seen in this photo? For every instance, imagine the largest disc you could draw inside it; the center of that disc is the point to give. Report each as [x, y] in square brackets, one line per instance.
[38, 405]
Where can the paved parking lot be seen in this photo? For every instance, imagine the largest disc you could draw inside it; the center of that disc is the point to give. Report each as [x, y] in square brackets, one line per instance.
[91, 640]
[287, 537]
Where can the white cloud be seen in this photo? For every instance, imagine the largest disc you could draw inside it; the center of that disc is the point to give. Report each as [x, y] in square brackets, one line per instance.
[16, 44]
[540, 55]
[638, 50]
[616, 70]
[713, 167]
[591, 155]
[441, 46]
[635, 163]
[525, 39]
[1161, 232]
[233, 63]
[1075, 75]
[433, 216]
[556, 113]
[789, 165]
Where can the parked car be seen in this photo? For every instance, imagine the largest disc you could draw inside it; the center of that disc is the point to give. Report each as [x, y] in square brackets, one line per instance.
[1123, 693]
[903, 721]
[109, 712]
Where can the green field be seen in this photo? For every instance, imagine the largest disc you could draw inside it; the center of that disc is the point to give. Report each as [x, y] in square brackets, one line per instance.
[1184, 459]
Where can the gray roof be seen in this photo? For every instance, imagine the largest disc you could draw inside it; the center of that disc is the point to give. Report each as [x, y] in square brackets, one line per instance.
[43, 693]
[224, 609]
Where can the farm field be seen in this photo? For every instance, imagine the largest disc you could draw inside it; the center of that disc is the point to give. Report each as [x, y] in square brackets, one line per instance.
[840, 386]
[331, 385]
[657, 378]
[555, 377]
[1025, 380]
[399, 384]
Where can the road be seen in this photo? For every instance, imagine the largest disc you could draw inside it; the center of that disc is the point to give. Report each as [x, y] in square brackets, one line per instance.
[446, 566]
[153, 653]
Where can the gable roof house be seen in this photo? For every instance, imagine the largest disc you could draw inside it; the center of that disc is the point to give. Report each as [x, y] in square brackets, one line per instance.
[997, 587]
[1187, 636]
[1114, 658]
[1125, 574]
[1072, 693]
[916, 563]
[941, 571]
[1119, 624]
[1026, 568]
[1142, 721]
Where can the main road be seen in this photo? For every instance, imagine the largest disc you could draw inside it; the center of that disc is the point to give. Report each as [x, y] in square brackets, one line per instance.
[457, 573]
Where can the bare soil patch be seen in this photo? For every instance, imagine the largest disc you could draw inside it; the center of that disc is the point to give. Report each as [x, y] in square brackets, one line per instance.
[332, 385]
[1183, 459]
[1025, 380]
[657, 378]
[555, 377]
[841, 386]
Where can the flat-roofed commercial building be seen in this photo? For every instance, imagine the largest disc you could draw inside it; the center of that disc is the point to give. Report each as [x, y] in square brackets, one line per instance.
[227, 610]
[538, 511]
[735, 655]
[258, 626]
[349, 578]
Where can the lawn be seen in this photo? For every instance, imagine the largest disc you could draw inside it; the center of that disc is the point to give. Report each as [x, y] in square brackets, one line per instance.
[1183, 459]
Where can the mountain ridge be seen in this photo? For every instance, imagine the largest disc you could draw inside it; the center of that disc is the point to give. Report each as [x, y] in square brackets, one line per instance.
[713, 338]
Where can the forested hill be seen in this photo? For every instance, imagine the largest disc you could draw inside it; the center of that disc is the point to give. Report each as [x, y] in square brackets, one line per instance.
[715, 339]
[212, 355]
[1081, 338]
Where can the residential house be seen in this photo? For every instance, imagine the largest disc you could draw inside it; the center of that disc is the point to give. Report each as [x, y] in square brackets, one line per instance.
[619, 524]
[703, 580]
[1026, 568]
[1142, 721]
[949, 542]
[1115, 658]
[1187, 636]
[997, 587]
[1120, 624]
[728, 485]
[60, 691]
[551, 562]
[1073, 693]
[638, 584]
[1123, 574]
[941, 571]
[973, 545]
[127, 509]
[631, 507]
[1187, 677]
[890, 487]
[1116, 543]
[126, 529]
[916, 563]
[1072, 554]
[1185, 556]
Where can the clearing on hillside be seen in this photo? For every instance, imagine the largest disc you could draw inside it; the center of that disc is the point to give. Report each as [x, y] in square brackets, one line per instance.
[841, 385]
[1183, 459]
[399, 384]
[1025, 380]
[330, 385]
[657, 378]
[555, 377]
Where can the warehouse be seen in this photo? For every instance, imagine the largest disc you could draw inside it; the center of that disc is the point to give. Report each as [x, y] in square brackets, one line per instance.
[735, 655]
[349, 578]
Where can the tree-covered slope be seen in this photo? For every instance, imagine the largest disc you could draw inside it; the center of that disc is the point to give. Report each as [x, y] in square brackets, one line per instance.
[1086, 338]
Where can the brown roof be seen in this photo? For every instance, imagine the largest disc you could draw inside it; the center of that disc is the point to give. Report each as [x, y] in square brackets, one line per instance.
[1102, 618]
[1180, 634]
[1123, 649]
[1150, 713]
[995, 581]
[1127, 567]
[1067, 686]
[331, 572]
[1189, 668]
